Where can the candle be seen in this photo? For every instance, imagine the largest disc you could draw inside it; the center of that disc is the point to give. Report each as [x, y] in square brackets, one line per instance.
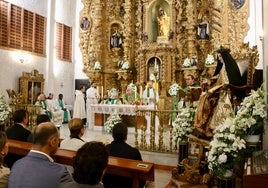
[135, 93]
[102, 92]
[155, 62]
[141, 91]
[98, 89]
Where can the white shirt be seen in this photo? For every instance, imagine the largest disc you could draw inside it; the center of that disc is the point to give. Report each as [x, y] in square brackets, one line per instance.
[92, 96]
[71, 144]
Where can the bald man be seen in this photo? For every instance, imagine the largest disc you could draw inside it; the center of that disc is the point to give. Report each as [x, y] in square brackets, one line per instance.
[37, 168]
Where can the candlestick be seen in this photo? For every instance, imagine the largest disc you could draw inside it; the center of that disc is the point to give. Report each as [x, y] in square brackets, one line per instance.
[102, 92]
[135, 94]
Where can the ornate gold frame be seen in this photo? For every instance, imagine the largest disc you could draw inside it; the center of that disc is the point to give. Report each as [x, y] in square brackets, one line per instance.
[31, 85]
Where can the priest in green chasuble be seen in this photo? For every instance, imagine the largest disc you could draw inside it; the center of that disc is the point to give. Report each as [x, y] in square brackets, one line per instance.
[65, 112]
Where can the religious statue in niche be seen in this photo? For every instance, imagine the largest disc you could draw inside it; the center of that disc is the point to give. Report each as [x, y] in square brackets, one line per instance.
[154, 66]
[170, 34]
[203, 29]
[144, 37]
[163, 23]
[84, 25]
[116, 39]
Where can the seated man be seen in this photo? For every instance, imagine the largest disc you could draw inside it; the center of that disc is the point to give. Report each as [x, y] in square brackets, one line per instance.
[37, 168]
[41, 100]
[53, 107]
[119, 148]
[18, 131]
[64, 111]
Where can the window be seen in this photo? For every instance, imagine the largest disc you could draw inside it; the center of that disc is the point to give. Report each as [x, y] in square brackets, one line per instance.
[63, 42]
[22, 29]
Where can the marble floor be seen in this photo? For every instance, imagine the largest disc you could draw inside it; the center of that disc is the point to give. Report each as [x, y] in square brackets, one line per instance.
[162, 177]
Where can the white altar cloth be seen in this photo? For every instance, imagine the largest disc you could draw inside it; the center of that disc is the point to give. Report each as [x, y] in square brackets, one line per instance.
[122, 109]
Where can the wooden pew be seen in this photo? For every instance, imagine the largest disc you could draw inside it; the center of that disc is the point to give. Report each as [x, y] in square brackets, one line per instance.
[137, 170]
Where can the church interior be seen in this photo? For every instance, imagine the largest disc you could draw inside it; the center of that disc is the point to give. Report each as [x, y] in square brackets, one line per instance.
[116, 43]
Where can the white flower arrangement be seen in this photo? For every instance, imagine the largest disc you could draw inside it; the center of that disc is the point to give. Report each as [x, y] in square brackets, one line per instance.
[125, 65]
[5, 110]
[111, 121]
[187, 63]
[97, 66]
[173, 90]
[225, 147]
[250, 116]
[182, 125]
[209, 60]
[113, 93]
[228, 144]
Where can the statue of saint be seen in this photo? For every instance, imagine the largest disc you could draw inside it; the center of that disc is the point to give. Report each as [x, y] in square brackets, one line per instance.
[163, 23]
[116, 40]
[203, 29]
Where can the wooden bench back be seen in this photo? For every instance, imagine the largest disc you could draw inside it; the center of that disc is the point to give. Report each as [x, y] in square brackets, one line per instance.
[138, 170]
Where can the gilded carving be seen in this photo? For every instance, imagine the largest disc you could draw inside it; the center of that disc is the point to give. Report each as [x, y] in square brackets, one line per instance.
[196, 28]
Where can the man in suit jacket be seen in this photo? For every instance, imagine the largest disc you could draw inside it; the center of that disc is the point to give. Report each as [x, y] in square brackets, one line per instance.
[18, 131]
[119, 148]
[37, 168]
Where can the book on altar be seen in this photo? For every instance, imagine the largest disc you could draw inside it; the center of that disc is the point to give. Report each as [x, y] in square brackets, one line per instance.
[195, 93]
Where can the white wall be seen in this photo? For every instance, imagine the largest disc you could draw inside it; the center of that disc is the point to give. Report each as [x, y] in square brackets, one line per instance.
[255, 33]
[59, 75]
[265, 62]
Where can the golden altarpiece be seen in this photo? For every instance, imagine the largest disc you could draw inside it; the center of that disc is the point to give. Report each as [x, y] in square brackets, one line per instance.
[155, 37]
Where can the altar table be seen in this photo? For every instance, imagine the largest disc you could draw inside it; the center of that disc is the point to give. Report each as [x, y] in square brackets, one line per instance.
[122, 109]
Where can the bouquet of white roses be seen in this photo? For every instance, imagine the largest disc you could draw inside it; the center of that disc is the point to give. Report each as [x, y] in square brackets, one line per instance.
[209, 60]
[187, 63]
[182, 125]
[125, 65]
[97, 66]
[173, 90]
[224, 148]
[5, 110]
[111, 121]
[250, 116]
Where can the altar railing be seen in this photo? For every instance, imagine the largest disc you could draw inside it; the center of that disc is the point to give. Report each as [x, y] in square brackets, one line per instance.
[153, 127]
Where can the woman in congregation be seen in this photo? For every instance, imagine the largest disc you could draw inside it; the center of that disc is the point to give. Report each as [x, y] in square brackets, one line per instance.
[4, 171]
[77, 130]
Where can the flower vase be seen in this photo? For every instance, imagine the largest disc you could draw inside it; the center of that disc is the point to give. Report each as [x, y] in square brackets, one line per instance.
[252, 139]
[227, 180]
[183, 153]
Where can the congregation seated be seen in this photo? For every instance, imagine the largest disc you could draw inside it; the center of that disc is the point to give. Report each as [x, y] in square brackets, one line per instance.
[37, 168]
[89, 165]
[77, 129]
[119, 148]
[4, 171]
